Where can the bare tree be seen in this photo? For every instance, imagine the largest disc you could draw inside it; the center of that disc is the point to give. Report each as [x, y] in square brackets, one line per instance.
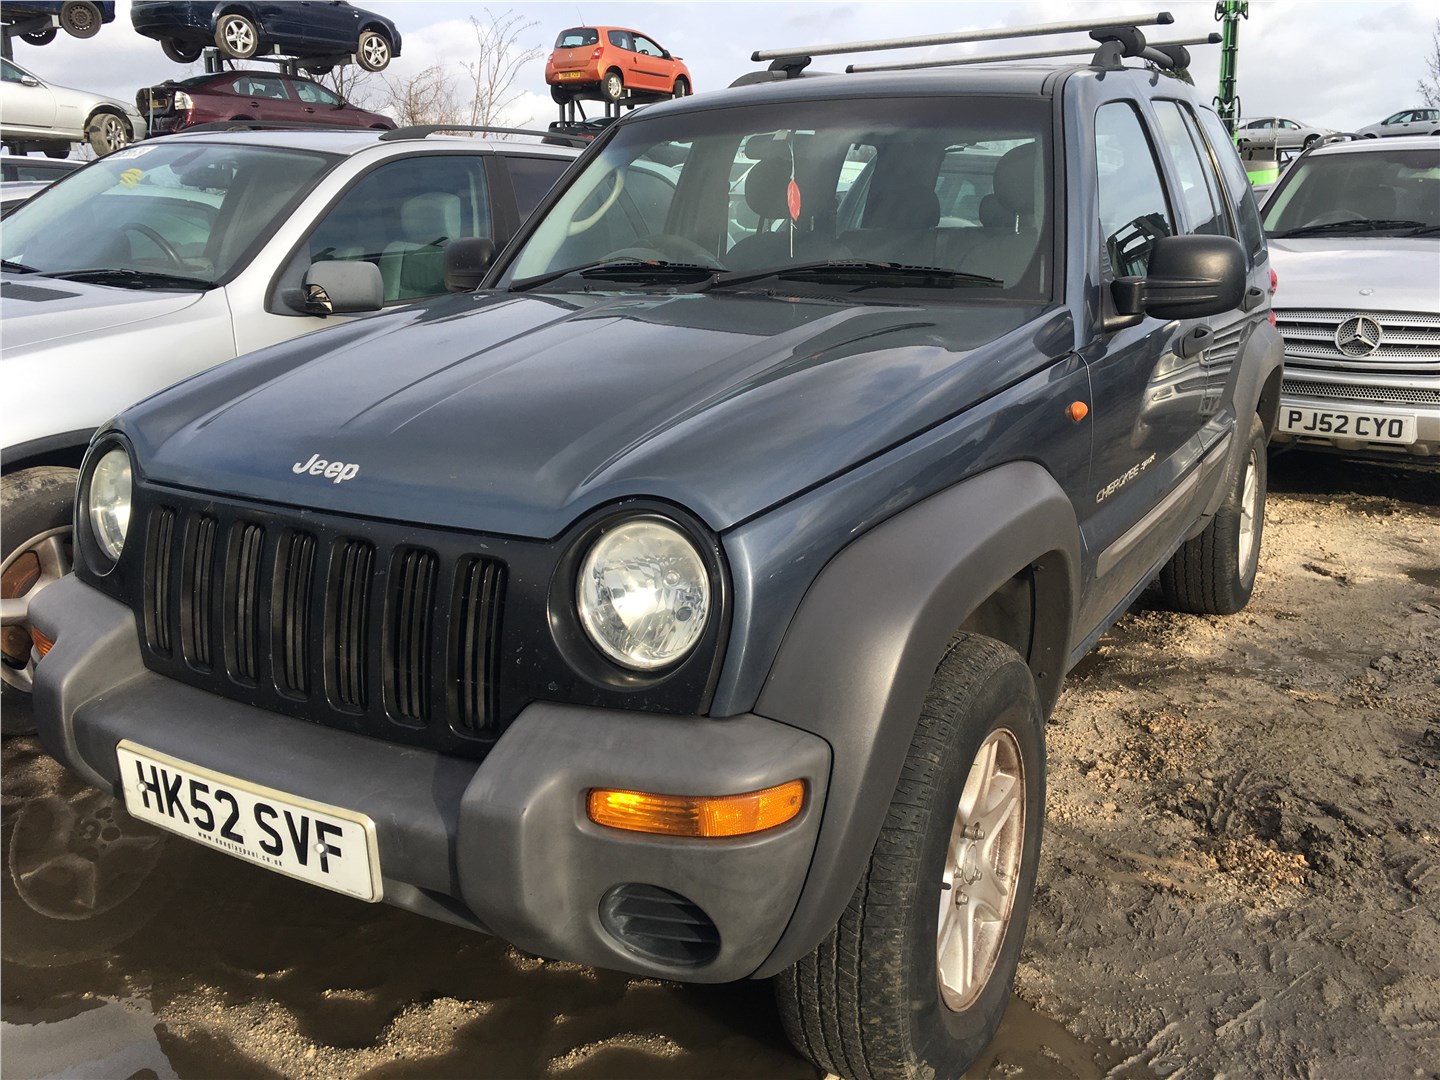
[426, 98]
[353, 83]
[501, 56]
[1429, 84]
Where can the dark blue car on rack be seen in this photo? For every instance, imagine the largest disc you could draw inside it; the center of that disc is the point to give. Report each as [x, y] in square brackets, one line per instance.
[244, 30]
[80, 18]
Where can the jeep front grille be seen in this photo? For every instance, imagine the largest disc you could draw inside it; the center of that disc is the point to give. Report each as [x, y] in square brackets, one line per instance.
[1410, 340]
[315, 623]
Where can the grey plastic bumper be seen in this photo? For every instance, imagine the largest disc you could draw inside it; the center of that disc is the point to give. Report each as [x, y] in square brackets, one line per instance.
[502, 845]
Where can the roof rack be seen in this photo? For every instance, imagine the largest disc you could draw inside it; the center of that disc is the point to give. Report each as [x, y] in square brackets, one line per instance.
[419, 131]
[1119, 38]
[957, 61]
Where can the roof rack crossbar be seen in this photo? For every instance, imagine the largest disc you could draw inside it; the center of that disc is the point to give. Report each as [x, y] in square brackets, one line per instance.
[419, 131]
[1160, 18]
[1042, 54]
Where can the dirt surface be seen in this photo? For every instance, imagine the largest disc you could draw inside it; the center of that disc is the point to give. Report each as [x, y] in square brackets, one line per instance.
[1241, 875]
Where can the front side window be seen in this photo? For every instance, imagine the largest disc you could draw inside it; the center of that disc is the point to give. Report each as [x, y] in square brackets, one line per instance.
[261, 86]
[1237, 184]
[646, 47]
[1381, 192]
[9, 72]
[188, 212]
[896, 182]
[1133, 210]
[314, 94]
[401, 216]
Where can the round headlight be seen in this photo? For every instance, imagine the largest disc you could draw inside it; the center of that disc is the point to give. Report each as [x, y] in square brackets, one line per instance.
[644, 594]
[110, 501]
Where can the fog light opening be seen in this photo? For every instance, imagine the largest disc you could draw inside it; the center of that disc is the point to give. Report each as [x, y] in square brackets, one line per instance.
[701, 816]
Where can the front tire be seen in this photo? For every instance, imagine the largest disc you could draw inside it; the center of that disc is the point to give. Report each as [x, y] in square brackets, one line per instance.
[40, 37]
[612, 87]
[1214, 574]
[915, 977]
[35, 510]
[106, 132]
[373, 51]
[682, 87]
[80, 19]
[182, 52]
[237, 36]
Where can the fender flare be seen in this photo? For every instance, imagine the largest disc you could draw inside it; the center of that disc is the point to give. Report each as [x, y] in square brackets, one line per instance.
[857, 660]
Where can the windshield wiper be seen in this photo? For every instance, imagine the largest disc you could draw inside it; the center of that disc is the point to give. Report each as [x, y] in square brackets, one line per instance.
[17, 268]
[1354, 224]
[863, 273]
[1424, 230]
[139, 279]
[618, 270]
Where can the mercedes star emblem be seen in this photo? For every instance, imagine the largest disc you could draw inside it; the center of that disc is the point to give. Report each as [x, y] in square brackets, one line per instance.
[1358, 335]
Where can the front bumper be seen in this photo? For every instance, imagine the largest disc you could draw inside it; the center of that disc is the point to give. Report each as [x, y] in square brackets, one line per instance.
[502, 845]
[1372, 395]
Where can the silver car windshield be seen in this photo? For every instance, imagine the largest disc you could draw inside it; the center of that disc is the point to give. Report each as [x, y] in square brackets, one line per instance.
[175, 212]
[1381, 192]
[857, 195]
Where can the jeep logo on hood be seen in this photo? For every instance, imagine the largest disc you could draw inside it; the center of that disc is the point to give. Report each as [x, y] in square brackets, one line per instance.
[335, 471]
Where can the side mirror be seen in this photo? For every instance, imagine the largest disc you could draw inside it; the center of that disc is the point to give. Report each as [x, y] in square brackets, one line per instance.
[338, 288]
[29, 80]
[1190, 277]
[467, 259]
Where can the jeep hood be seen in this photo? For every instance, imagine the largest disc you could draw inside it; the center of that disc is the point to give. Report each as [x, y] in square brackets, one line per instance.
[516, 414]
[37, 310]
[1357, 273]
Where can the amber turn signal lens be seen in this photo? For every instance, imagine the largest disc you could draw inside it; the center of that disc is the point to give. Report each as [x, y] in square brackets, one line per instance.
[697, 815]
[42, 643]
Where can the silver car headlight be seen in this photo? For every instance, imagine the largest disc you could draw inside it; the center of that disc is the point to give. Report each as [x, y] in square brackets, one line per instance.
[109, 502]
[643, 594]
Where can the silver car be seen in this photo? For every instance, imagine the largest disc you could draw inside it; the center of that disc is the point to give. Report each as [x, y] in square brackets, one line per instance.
[1354, 232]
[1277, 133]
[1408, 122]
[36, 115]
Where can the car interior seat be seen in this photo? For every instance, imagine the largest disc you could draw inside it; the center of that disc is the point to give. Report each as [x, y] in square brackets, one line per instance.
[777, 239]
[1006, 248]
[414, 265]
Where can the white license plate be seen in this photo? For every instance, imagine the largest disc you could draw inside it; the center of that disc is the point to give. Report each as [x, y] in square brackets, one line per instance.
[324, 845]
[1378, 427]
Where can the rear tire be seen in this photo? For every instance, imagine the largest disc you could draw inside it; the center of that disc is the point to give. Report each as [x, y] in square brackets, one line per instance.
[612, 86]
[1214, 574]
[182, 52]
[886, 994]
[80, 19]
[560, 95]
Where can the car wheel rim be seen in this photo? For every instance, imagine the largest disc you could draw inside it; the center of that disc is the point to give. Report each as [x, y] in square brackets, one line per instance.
[78, 858]
[33, 566]
[239, 37]
[613, 86]
[982, 865]
[114, 134]
[376, 52]
[1249, 512]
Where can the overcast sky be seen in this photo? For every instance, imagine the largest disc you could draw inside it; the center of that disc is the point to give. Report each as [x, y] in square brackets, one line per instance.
[1339, 64]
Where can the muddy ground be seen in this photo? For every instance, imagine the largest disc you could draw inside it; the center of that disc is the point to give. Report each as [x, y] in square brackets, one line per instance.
[1241, 875]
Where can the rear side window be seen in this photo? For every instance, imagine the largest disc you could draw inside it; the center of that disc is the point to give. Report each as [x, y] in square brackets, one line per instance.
[1133, 210]
[621, 40]
[1237, 183]
[577, 38]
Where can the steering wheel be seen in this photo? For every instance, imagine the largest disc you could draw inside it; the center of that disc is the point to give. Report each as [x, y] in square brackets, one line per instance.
[166, 248]
[584, 224]
[669, 247]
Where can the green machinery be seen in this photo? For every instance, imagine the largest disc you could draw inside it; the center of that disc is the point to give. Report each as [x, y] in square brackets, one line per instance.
[1261, 163]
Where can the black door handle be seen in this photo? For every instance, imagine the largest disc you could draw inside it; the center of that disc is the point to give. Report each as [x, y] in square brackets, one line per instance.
[1195, 341]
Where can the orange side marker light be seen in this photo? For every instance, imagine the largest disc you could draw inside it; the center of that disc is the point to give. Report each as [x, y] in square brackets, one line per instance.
[705, 816]
[1077, 411]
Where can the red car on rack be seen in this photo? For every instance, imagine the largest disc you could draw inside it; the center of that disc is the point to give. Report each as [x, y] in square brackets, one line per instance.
[248, 95]
[609, 61]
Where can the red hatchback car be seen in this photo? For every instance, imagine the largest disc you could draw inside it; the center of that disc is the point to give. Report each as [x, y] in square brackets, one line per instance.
[608, 61]
[247, 95]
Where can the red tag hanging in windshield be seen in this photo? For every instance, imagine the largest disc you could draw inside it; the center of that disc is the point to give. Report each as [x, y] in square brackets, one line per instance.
[792, 198]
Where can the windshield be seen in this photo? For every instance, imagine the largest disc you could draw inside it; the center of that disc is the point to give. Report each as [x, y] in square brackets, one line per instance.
[1360, 192]
[850, 194]
[181, 211]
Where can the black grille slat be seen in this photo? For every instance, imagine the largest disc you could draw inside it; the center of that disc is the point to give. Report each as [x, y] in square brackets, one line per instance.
[294, 571]
[159, 557]
[242, 602]
[411, 614]
[660, 924]
[476, 636]
[349, 620]
[197, 592]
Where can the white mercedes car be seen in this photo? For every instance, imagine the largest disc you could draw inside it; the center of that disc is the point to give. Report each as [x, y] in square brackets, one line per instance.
[1354, 232]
